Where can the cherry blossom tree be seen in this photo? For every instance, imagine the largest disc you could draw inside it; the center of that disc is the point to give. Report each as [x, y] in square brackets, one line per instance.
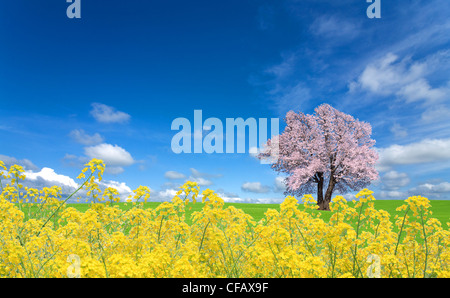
[328, 151]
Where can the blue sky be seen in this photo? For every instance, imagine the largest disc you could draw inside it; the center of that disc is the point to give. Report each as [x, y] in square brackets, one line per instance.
[111, 83]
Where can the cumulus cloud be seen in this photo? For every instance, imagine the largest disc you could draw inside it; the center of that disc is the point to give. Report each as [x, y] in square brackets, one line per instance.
[114, 157]
[393, 195]
[432, 191]
[349, 196]
[106, 114]
[123, 189]
[234, 199]
[393, 180]
[436, 188]
[256, 187]
[197, 174]
[40, 178]
[266, 200]
[81, 137]
[202, 179]
[47, 177]
[229, 197]
[425, 151]
[164, 195]
[25, 163]
[173, 175]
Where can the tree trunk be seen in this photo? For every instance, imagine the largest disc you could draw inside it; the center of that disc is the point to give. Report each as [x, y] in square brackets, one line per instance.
[319, 188]
[325, 205]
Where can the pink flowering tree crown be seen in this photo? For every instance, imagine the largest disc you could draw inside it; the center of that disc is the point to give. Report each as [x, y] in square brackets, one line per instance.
[325, 152]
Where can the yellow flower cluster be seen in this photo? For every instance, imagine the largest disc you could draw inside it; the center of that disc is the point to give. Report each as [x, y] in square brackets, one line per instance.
[46, 238]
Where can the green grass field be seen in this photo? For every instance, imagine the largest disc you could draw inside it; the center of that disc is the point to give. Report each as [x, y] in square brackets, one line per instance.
[440, 209]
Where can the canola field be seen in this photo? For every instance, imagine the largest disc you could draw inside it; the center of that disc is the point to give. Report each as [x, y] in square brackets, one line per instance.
[42, 236]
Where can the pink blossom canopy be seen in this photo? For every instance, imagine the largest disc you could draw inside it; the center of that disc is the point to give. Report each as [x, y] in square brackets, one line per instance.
[329, 143]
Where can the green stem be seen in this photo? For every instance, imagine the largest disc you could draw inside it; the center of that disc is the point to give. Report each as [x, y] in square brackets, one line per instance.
[203, 236]
[401, 230]
[406, 264]
[160, 226]
[28, 255]
[357, 235]
[276, 260]
[426, 245]
[399, 236]
[332, 259]
[18, 191]
[59, 207]
[224, 261]
[376, 230]
[304, 240]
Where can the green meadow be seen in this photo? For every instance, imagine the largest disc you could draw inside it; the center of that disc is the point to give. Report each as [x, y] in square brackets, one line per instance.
[440, 208]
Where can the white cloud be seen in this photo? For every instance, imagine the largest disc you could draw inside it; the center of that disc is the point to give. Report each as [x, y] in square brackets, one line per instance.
[402, 78]
[230, 198]
[197, 174]
[266, 200]
[432, 191]
[123, 189]
[393, 180]
[398, 131]
[436, 113]
[47, 177]
[435, 188]
[164, 195]
[384, 76]
[421, 90]
[80, 136]
[393, 194]
[425, 151]
[25, 163]
[114, 157]
[172, 175]
[255, 187]
[51, 176]
[349, 196]
[279, 184]
[106, 114]
[201, 181]
[114, 170]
